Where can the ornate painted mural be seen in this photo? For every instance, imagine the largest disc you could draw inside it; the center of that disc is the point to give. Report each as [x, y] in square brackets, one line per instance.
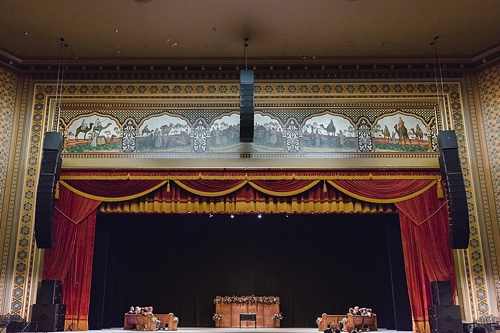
[164, 126]
[304, 130]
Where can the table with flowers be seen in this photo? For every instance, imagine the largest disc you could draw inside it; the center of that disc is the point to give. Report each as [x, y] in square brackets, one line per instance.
[228, 310]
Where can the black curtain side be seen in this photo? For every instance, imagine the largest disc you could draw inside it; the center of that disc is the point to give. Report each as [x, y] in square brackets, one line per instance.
[315, 263]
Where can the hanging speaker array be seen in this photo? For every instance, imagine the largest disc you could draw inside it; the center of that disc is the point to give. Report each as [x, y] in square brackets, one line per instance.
[246, 105]
[47, 181]
[451, 172]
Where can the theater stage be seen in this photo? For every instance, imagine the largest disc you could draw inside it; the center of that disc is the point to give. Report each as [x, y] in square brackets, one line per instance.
[240, 330]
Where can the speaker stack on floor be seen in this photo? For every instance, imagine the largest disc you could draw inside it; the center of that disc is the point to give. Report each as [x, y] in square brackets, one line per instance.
[444, 317]
[451, 172]
[48, 312]
[49, 175]
[246, 105]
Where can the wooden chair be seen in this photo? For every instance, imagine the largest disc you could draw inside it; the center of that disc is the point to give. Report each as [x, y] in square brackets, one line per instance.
[168, 320]
[370, 322]
[327, 319]
[145, 322]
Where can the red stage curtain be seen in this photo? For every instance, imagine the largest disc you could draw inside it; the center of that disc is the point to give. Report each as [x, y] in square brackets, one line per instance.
[424, 219]
[71, 258]
[428, 257]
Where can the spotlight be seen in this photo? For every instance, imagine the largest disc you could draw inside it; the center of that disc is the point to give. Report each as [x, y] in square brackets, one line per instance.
[259, 216]
[232, 216]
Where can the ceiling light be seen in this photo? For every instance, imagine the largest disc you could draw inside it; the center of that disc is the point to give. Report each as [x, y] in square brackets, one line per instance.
[26, 33]
[116, 30]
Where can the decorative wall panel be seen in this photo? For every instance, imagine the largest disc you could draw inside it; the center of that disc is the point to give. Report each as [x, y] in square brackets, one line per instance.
[294, 121]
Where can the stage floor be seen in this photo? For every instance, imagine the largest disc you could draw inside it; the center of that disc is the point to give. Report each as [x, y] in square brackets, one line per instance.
[241, 330]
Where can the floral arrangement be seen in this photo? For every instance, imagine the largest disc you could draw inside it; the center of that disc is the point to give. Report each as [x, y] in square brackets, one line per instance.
[344, 320]
[319, 320]
[277, 316]
[217, 316]
[247, 299]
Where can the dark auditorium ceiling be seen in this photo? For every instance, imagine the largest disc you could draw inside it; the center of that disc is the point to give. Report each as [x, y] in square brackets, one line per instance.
[281, 31]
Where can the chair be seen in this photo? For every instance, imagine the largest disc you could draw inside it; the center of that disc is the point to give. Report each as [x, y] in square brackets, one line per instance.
[168, 320]
[146, 322]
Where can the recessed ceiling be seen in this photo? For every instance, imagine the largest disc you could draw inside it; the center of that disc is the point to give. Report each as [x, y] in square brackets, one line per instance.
[138, 30]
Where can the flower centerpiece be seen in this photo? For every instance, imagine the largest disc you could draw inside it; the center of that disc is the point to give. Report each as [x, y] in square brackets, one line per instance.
[276, 319]
[217, 317]
[277, 316]
[319, 320]
[251, 299]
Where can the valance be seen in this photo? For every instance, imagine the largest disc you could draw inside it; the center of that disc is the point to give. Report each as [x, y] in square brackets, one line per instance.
[376, 187]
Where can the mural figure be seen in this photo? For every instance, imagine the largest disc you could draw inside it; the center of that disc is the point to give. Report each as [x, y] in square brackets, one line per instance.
[386, 133]
[158, 138]
[402, 131]
[342, 139]
[417, 132]
[330, 129]
[146, 131]
[83, 128]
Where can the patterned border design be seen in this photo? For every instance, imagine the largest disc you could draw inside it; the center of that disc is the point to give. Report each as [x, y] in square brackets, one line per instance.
[475, 259]
[25, 250]
[489, 88]
[348, 90]
[7, 106]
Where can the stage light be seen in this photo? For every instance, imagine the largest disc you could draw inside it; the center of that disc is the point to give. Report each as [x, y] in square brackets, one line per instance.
[259, 215]
[232, 216]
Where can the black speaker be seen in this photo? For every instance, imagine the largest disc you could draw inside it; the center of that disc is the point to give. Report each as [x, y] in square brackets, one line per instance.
[447, 140]
[50, 317]
[51, 162]
[53, 141]
[47, 181]
[246, 127]
[451, 172]
[445, 319]
[442, 293]
[459, 235]
[246, 105]
[49, 292]
[450, 160]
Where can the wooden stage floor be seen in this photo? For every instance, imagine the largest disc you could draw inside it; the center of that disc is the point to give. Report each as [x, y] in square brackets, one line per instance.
[239, 330]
